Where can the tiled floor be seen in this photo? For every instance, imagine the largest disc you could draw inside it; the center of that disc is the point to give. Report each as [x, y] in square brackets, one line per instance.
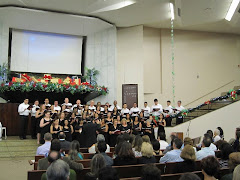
[14, 156]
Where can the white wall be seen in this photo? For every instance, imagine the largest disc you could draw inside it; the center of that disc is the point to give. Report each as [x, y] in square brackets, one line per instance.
[226, 117]
[101, 54]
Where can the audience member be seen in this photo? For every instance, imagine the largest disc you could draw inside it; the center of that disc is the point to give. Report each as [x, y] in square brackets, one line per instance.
[44, 149]
[226, 150]
[236, 173]
[150, 172]
[170, 146]
[189, 157]
[97, 163]
[108, 173]
[156, 147]
[188, 141]
[221, 132]
[132, 138]
[137, 145]
[236, 146]
[212, 146]
[44, 163]
[147, 154]
[146, 138]
[219, 144]
[173, 155]
[100, 137]
[162, 141]
[119, 141]
[65, 145]
[210, 167]
[189, 176]
[101, 148]
[205, 151]
[74, 153]
[216, 136]
[125, 155]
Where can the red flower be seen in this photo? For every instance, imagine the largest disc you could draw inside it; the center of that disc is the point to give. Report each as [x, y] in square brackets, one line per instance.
[22, 83]
[76, 86]
[44, 86]
[34, 85]
[10, 84]
[2, 84]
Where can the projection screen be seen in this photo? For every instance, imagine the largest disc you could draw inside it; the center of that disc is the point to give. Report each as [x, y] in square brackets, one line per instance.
[42, 52]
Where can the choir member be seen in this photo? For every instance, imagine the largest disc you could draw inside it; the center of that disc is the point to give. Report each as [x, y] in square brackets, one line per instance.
[168, 111]
[119, 120]
[68, 130]
[114, 105]
[61, 118]
[34, 120]
[92, 107]
[105, 112]
[148, 130]
[77, 135]
[124, 110]
[129, 120]
[104, 130]
[114, 131]
[46, 102]
[86, 110]
[55, 128]
[67, 104]
[124, 127]
[78, 105]
[156, 108]
[161, 125]
[136, 127]
[72, 118]
[109, 119]
[115, 113]
[146, 110]
[45, 124]
[177, 110]
[23, 110]
[39, 115]
[134, 111]
[99, 105]
[98, 110]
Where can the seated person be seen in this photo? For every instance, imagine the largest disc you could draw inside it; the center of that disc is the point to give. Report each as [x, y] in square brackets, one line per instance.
[156, 147]
[107, 173]
[189, 157]
[100, 137]
[74, 152]
[101, 148]
[173, 155]
[205, 151]
[125, 155]
[226, 149]
[44, 149]
[65, 145]
[147, 154]
[210, 167]
[216, 136]
[137, 145]
[189, 176]
[150, 172]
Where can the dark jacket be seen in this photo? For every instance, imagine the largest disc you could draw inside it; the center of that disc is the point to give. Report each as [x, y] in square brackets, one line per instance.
[185, 166]
[146, 160]
[65, 145]
[89, 134]
[119, 161]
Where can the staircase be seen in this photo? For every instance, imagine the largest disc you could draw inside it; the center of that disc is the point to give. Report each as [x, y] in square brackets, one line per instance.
[209, 108]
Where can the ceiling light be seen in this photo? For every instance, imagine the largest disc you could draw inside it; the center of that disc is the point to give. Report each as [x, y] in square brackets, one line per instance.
[232, 9]
[172, 10]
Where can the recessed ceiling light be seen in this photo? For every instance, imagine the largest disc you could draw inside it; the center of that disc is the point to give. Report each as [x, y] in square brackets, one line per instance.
[232, 9]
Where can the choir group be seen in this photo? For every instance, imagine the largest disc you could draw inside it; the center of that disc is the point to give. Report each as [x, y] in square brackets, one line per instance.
[77, 120]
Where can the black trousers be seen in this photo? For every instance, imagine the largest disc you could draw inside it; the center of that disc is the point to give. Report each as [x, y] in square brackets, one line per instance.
[23, 126]
[168, 121]
[34, 126]
[179, 120]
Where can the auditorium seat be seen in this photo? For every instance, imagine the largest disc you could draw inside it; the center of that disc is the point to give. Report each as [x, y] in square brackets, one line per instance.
[38, 157]
[84, 150]
[90, 155]
[178, 175]
[158, 157]
[85, 162]
[35, 174]
[171, 165]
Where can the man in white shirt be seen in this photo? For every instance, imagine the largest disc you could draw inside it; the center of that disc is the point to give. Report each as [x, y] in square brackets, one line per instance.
[79, 105]
[46, 102]
[134, 111]
[124, 110]
[114, 105]
[33, 119]
[206, 150]
[92, 107]
[156, 108]
[146, 110]
[216, 136]
[167, 113]
[179, 108]
[23, 110]
[67, 104]
[56, 107]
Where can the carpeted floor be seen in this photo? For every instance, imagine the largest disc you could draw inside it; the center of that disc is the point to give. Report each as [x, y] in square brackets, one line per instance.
[14, 156]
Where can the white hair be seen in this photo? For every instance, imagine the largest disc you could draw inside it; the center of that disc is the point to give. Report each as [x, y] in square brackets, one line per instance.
[58, 170]
[217, 132]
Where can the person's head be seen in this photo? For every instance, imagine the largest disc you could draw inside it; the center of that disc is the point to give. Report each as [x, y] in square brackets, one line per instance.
[179, 103]
[74, 150]
[46, 101]
[78, 102]
[216, 132]
[36, 102]
[150, 172]
[210, 133]
[189, 176]
[97, 163]
[115, 109]
[105, 108]
[161, 116]
[119, 139]
[134, 104]
[236, 173]
[86, 108]
[108, 173]
[162, 136]
[118, 118]
[98, 104]
[109, 115]
[53, 156]
[221, 131]
[55, 122]
[156, 145]
[62, 115]
[177, 143]
[114, 102]
[188, 141]
[101, 146]
[188, 153]
[137, 144]
[147, 150]
[125, 105]
[206, 142]
[55, 145]
[100, 137]
[145, 104]
[25, 101]
[115, 122]
[210, 166]
[149, 122]
[219, 143]
[66, 100]
[47, 114]
[92, 103]
[124, 122]
[208, 136]
[237, 134]
[168, 103]
[61, 135]
[226, 149]
[58, 170]
[107, 104]
[136, 118]
[47, 137]
[125, 150]
[234, 160]
[155, 101]
[126, 137]
[66, 122]
[42, 107]
[146, 138]
[55, 103]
